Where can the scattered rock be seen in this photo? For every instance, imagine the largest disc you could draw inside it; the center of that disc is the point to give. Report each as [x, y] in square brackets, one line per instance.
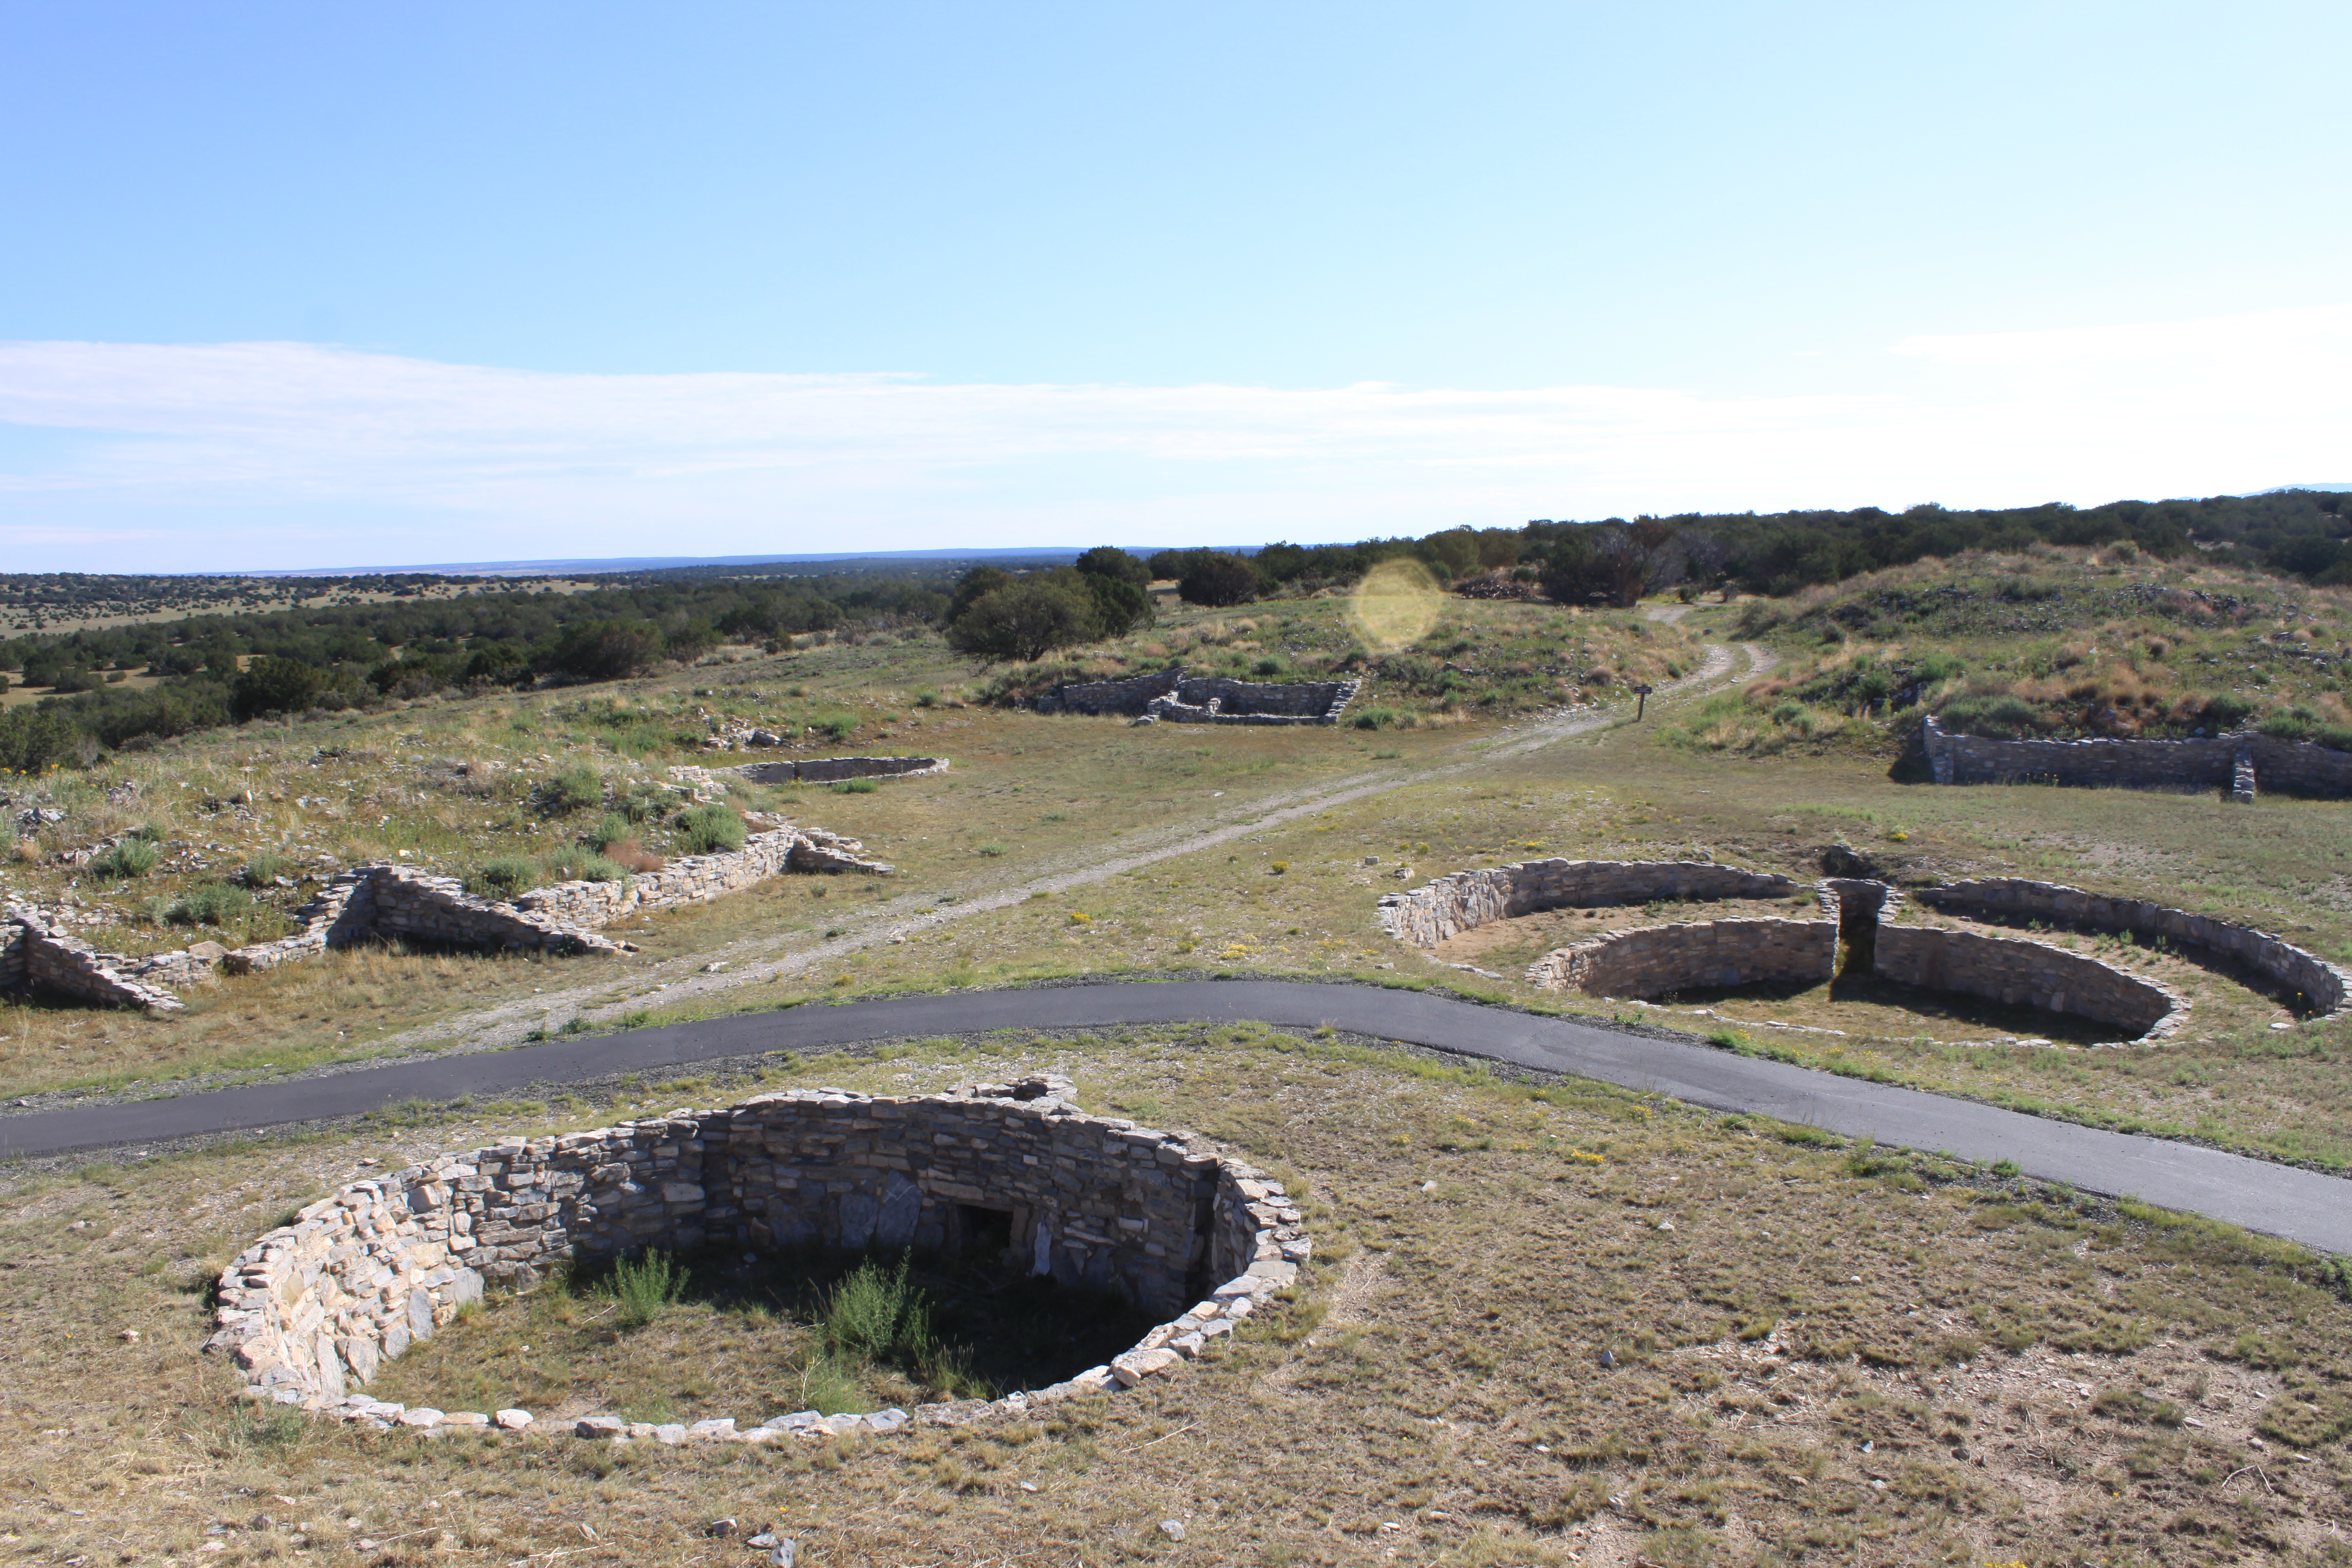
[1174, 1529]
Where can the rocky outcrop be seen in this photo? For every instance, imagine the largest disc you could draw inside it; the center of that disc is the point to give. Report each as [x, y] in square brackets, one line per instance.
[312, 1310]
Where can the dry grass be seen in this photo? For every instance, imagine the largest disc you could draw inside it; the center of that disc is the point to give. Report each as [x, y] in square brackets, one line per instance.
[2032, 1376]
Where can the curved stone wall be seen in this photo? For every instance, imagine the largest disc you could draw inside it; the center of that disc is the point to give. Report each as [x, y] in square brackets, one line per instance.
[2325, 986]
[1439, 910]
[312, 1310]
[1657, 960]
[1650, 960]
[2010, 970]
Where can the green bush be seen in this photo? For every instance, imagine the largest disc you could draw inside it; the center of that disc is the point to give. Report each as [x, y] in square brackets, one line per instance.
[1025, 621]
[262, 869]
[2001, 717]
[856, 786]
[2226, 710]
[836, 727]
[707, 829]
[213, 904]
[875, 1313]
[131, 858]
[581, 865]
[644, 1287]
[1382, 718]
[610, 829]
[31, 738]
[2301, 723]
[573, 788]
[272, 685]
[503, 878]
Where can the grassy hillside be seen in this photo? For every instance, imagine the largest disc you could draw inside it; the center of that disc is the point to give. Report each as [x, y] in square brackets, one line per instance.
[2052, 642]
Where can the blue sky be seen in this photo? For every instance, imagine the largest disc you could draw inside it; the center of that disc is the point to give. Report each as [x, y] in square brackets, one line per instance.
[291, 285]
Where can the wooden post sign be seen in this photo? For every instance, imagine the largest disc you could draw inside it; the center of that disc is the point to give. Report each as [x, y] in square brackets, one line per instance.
[1642, 698]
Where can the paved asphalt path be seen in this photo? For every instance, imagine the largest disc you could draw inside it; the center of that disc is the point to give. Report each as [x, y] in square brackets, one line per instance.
[2280, 1200]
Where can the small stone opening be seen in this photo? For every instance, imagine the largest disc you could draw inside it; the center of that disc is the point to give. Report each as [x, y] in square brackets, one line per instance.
[1859, 905]
[978, 1229]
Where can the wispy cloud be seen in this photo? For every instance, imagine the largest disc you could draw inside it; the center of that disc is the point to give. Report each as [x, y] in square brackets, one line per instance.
[250, 454]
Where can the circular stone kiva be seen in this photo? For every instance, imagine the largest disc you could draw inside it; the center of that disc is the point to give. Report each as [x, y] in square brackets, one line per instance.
[311, 1311]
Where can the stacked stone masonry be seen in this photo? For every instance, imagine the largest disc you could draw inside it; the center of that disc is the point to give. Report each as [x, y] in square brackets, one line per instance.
[2235, 763]
[1651, 961]
[2038, 974]
[35, 953]
[1656, 961]
[1182, 697]
[2325, 987]
[310, 1311]
[374, 902]
[377, 901]
[1440, 911]
[832, 770]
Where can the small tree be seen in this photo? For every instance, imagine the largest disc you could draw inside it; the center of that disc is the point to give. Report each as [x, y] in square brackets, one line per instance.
[1214, 578]
[1023, 621]
[1120, 605]
[973, 586]
[33, 737]
[1110, 561]
[606, 650]
[273, 685]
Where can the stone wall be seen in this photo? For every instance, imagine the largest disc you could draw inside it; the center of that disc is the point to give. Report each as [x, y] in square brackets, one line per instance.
[313, 1309]
[377, 901]
[2218, 762]
[1445, 908]
[1660, 960]
[40, 955]
[697, 879]
[1182, 697]
[2005, 969]
[383, 900]
[831, 770]
[1654, 961]
[2325, 986]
